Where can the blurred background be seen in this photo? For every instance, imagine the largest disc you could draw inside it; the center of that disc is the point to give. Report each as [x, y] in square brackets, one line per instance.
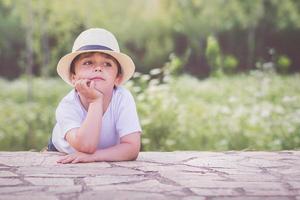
[210, 75]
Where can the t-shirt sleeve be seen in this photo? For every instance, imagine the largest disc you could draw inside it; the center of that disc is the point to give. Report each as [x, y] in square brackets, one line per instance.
[67, 117]
[127, 118]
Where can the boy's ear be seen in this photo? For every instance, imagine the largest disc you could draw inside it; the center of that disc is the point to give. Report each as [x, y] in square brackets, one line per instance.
[118, 79]
[73, 78]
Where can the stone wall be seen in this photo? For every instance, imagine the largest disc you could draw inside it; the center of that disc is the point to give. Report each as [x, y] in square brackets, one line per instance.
[154, 175]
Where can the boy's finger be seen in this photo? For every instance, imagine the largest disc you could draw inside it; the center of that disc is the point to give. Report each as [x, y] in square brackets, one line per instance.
[61, 159]
[76, 82]
[76, 160]
[88, 83]
[82, 83]
[92, 84]
[78, 85]
[68, 160]
[65, 159]
[85, 84]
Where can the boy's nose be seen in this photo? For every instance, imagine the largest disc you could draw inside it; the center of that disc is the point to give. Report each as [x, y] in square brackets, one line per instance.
[98, 68]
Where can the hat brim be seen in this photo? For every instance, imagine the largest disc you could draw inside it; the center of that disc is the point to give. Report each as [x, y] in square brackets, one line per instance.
[126, 63]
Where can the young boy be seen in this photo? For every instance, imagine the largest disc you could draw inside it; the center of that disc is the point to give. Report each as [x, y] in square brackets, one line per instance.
[97, 120]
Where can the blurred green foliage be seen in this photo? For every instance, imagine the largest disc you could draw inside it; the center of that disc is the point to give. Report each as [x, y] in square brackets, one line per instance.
[213, 55]
[166, 38]
[283, 63]
[230, 63]
[150, 31]
[258, 111]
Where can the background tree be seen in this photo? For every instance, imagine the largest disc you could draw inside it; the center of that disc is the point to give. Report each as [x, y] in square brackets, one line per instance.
[152, 30]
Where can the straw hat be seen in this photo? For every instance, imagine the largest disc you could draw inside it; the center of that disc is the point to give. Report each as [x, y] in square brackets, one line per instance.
[96, 40]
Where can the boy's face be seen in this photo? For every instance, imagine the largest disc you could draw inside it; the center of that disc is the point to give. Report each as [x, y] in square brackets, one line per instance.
[100, 68]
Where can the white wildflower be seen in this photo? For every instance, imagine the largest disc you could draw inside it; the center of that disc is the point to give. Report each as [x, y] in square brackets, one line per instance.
[232, 99]
[288, 99]
[154, 82]
[155, 71]
[136, 75]
[225, 110]
[145, 140]
[253, 120]
[136, 89]
[141, 97]
[170, 142]
[145, 77]
[265, 113]
[167, 79]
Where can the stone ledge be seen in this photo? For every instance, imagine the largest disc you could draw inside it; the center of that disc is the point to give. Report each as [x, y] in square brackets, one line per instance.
[154, 175]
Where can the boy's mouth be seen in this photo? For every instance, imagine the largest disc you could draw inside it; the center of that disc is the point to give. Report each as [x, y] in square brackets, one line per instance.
[98, 78]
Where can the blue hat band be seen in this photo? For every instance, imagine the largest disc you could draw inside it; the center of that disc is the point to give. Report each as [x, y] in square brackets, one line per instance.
[93, 47]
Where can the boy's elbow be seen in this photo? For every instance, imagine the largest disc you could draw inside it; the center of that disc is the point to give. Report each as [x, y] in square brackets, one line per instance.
[131, 157]
[133, 146]
[90, 149]
[134, 157]
[81, 144]
[135, 153]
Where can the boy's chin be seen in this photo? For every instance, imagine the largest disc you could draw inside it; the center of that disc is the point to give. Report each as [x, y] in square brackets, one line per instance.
[101, 88]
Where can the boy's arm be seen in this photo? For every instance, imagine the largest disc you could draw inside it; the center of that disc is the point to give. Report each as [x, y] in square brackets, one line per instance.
[85, 139]
[128, 149]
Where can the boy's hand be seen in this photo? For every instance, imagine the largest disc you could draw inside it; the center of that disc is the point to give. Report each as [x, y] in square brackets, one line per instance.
[87, 89]
[77, 157]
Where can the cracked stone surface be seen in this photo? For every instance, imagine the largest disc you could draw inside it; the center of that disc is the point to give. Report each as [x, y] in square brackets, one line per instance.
[154, 175]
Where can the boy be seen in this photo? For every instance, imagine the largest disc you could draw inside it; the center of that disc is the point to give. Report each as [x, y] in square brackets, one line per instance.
[97, 120]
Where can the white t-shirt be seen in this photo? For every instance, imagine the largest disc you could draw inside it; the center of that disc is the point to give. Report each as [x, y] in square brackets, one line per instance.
[120, 119]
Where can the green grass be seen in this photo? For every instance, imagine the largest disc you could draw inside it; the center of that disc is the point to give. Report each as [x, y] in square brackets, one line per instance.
[253, 112]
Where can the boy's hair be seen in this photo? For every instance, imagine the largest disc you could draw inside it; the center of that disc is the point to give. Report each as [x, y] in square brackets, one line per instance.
[72, 68]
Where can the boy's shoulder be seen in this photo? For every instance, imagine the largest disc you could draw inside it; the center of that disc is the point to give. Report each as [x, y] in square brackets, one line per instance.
[121, 91]
[70, 102]
[70, 97]
[121, 94]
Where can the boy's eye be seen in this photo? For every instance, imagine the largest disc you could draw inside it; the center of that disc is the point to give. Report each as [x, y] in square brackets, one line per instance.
[106, 64]
[87, 62]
